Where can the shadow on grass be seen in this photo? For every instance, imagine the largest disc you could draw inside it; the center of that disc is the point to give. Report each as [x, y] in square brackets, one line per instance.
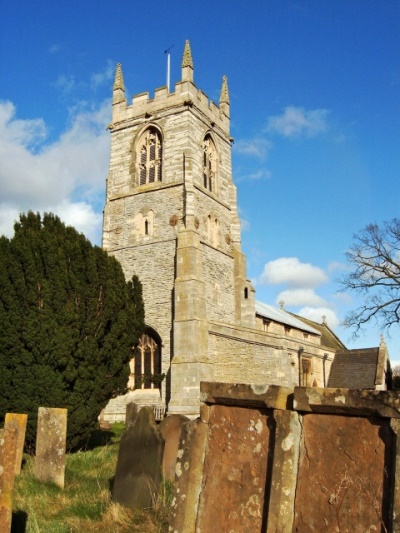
[99, 437]
[19, 521]
[102, 437]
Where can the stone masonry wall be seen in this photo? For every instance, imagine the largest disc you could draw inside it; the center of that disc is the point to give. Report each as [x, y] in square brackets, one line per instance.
[155, 258]
[274, 459]
[219, 287]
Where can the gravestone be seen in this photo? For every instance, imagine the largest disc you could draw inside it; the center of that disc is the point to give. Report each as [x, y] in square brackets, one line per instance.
[170, 429]
[17, 421]
[50, 445]
[132, 410]
[138, 473]
[8, 450]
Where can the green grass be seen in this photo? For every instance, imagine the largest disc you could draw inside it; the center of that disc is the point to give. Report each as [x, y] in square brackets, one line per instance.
[84, 505]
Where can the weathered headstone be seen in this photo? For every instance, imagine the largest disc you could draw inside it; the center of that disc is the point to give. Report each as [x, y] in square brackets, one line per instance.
[170, 429]
[8, 450]
[138, 473]
[132, 410]
[50, 445]
[17, 421]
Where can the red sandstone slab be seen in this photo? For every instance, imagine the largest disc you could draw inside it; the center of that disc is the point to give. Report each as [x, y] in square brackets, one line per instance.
[343, 482]
[235, 470]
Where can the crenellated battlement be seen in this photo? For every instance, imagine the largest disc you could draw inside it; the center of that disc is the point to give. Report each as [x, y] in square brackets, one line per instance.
[186, 94]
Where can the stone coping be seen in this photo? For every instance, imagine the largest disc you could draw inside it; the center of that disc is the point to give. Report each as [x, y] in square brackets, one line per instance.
[351, 402]
[256, 396]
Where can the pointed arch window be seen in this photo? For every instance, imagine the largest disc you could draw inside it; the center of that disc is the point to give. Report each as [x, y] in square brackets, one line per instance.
[209, 164]
[148, 362]
[305, 372]
[150, 157]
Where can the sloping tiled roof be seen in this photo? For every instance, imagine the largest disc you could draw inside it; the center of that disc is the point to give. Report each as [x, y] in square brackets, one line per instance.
[328, 338]
[354, 369]
[283, 317]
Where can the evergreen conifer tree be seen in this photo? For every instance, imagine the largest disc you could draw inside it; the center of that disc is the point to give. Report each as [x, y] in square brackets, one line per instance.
[68, 322]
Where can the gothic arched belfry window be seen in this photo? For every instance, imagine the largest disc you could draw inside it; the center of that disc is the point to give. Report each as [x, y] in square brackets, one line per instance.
[209, 164]
[149, 156]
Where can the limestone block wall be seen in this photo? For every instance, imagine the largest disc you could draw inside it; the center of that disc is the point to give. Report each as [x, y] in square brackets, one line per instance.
[242, 355]
[269, 459]
[275, 327]
[160, 204]
[206, 206]
[219, 285]
[158, 259]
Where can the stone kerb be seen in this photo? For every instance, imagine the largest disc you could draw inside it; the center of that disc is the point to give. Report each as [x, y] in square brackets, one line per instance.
[8, 453]
[51, 445]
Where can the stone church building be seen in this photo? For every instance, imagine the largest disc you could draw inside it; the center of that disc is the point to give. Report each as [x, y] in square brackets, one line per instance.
[171, 218]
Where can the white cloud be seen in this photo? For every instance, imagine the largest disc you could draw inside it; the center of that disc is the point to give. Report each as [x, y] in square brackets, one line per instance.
[297, 121]
[290, 271]
[260, 174]
[343, 298]
[14, 132]
[257, 147]
[316, 314]
[65, 83]
[81, 216]
[65, 176]
[337, 266]
[98, 78]
[298, 297]
[9, 214]
[244, 224]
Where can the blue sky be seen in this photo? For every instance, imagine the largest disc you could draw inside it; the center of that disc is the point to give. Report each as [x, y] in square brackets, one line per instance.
[315, 113]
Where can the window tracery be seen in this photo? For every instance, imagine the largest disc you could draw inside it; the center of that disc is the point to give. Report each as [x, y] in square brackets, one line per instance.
[147, 363]
[149, 157]
[209, 164]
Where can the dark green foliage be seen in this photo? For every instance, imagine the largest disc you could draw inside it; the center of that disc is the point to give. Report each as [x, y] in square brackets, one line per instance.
[68, 321]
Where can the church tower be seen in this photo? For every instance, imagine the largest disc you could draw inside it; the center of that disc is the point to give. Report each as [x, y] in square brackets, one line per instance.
[171, 218]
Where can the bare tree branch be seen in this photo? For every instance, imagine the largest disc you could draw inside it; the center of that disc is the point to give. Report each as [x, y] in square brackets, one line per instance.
[375, 261]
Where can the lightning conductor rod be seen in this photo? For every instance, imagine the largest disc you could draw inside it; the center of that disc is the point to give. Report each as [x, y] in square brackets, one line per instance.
[167, 51]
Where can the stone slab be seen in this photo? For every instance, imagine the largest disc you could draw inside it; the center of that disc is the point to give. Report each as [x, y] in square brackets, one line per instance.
[236, 469]
[355, 402]
[51, 445]
[188, 476]
[258, 396]
[138, 473]
[282, 488]
[8, 453]
[132, 410]
[395, 475]
[170, 429]
[18, 421]
[343, 482]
